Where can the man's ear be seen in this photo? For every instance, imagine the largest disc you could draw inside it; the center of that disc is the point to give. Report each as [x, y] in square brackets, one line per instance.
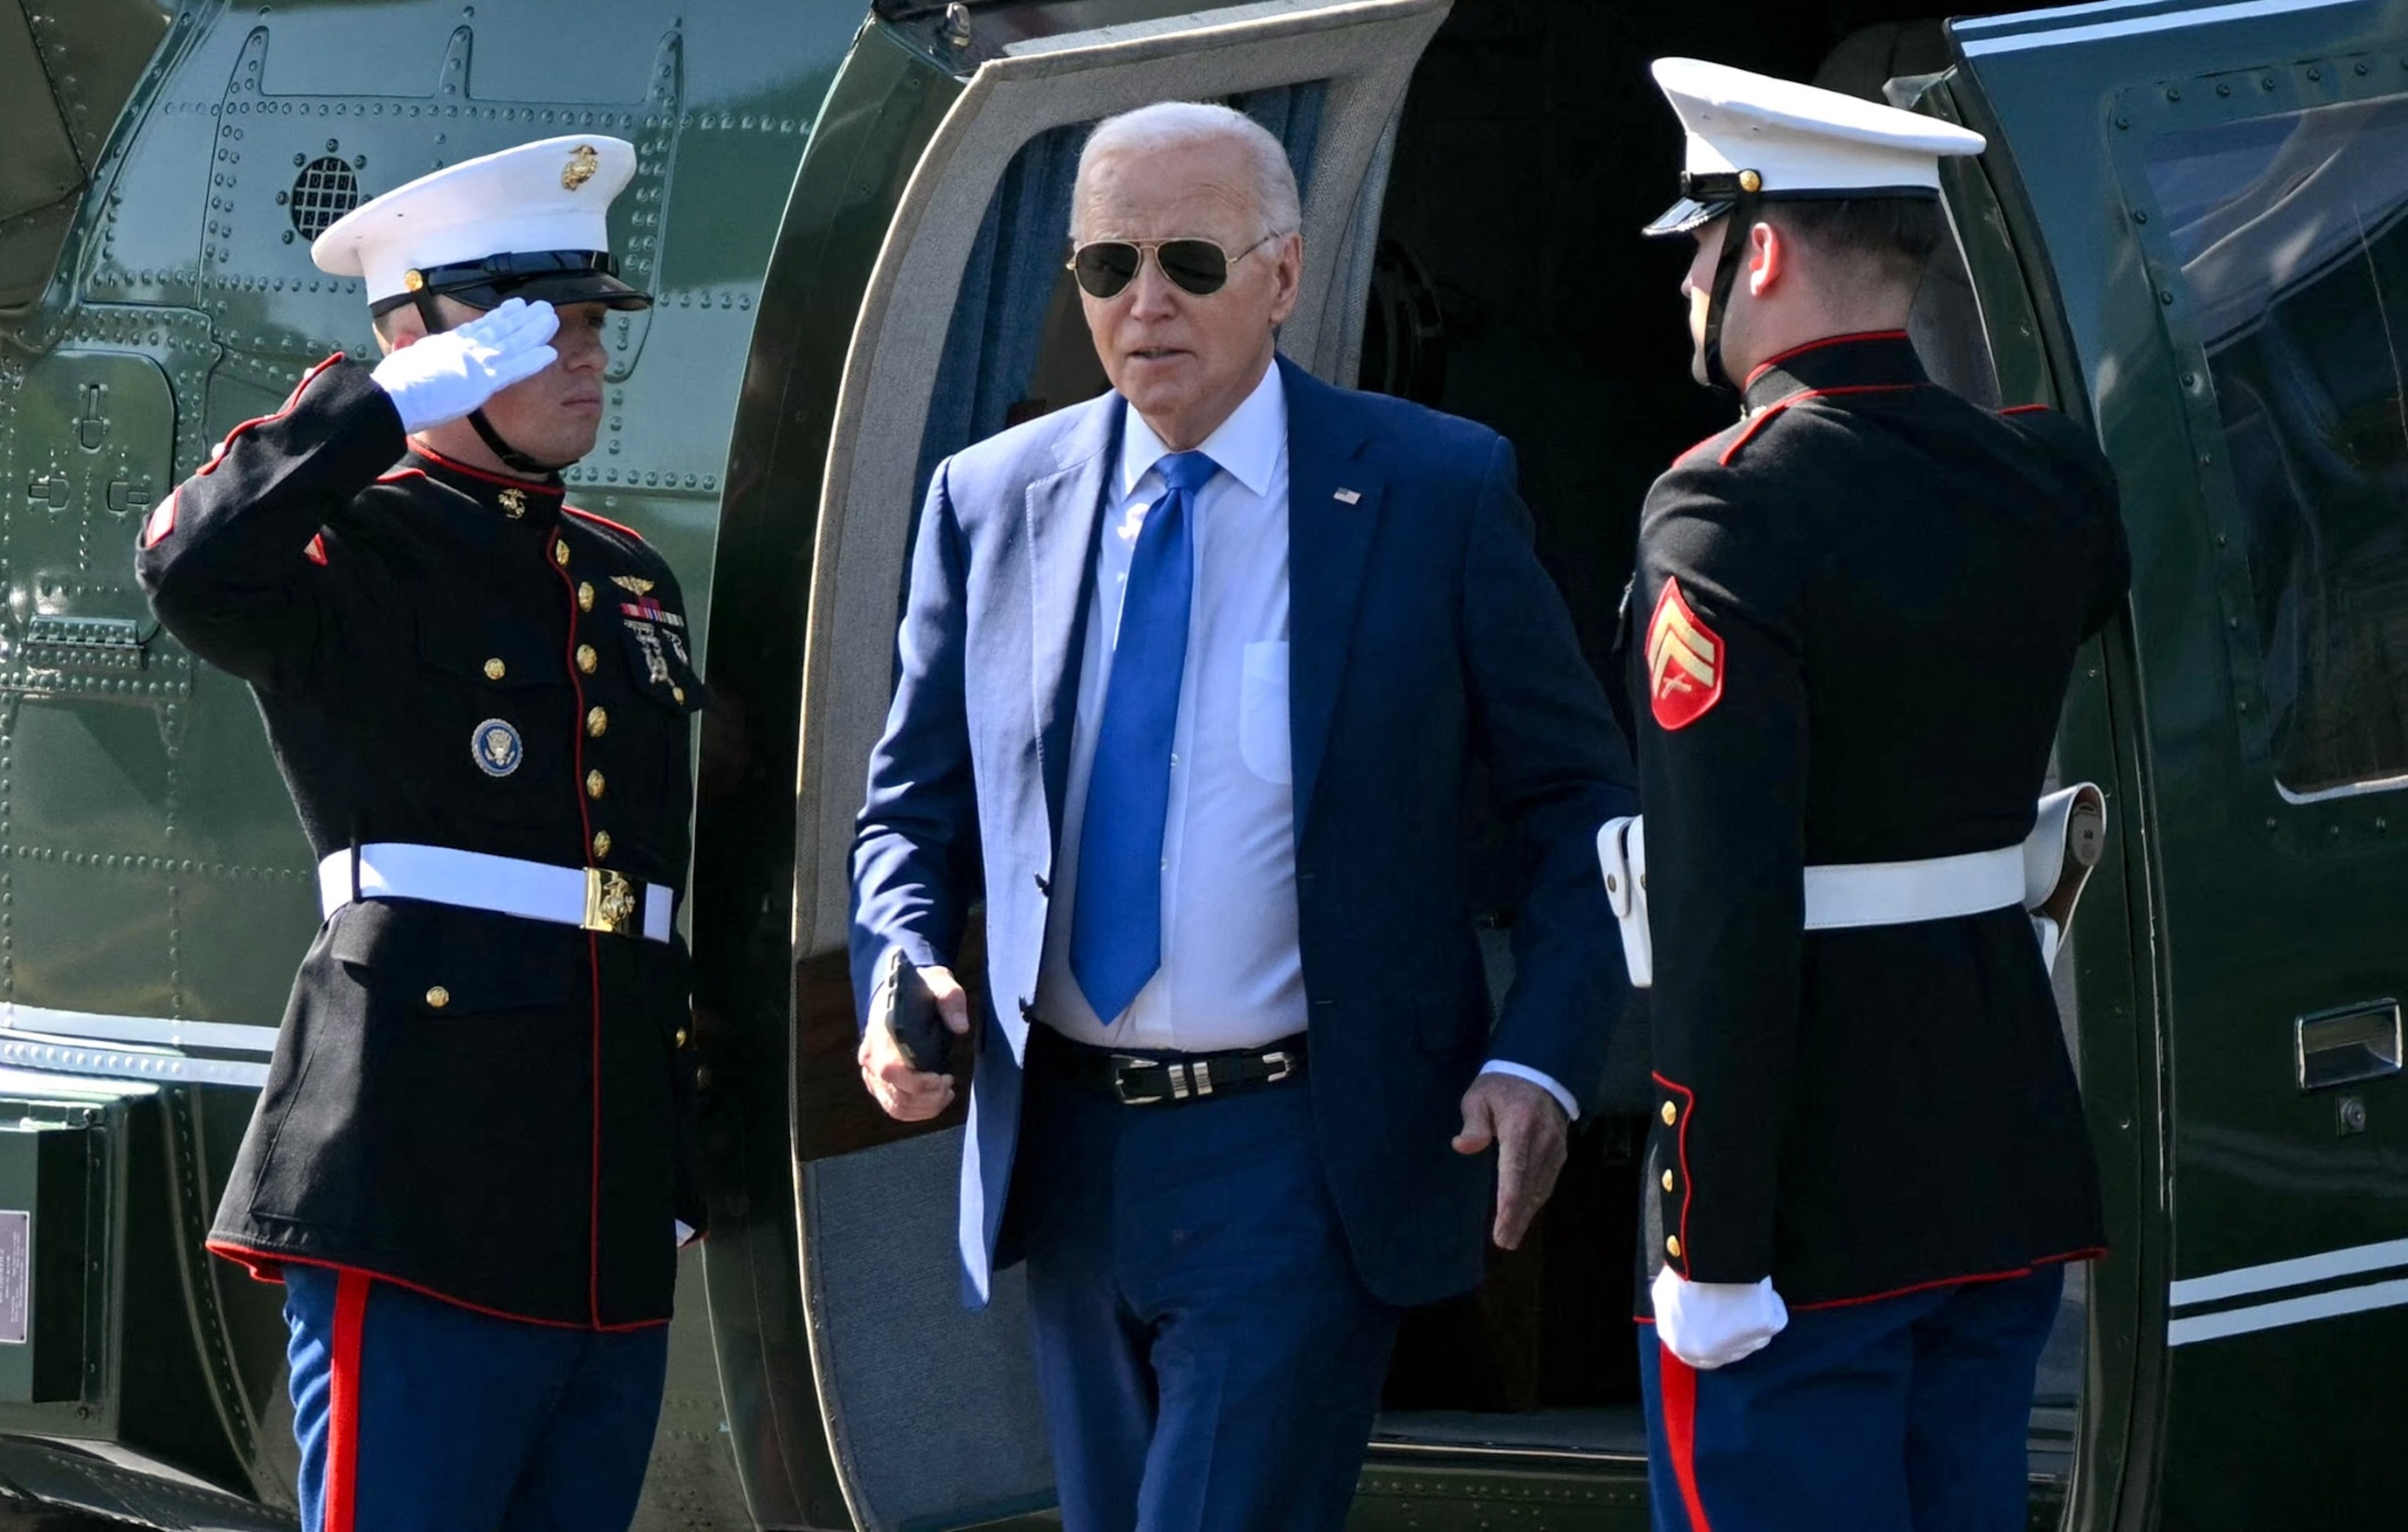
[1767, 259]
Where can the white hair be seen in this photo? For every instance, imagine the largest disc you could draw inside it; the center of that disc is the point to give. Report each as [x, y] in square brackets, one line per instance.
[1180, 124]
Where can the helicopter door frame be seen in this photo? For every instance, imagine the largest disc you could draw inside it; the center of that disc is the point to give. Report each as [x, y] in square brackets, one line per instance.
[2275, 1245]
[892, 1352]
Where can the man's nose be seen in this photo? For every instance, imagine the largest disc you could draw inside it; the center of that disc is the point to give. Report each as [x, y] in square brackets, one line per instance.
[581, 352]
[1151, 294]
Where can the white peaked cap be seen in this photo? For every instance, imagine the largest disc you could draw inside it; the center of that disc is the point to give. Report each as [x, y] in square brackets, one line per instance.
[553, 195]
[1798, 140]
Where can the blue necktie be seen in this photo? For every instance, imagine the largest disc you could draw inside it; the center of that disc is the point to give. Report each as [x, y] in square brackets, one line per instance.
[1116, 928]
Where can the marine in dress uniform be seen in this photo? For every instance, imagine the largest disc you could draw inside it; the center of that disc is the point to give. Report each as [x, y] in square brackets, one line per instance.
[1849, 635]
[473, 1159]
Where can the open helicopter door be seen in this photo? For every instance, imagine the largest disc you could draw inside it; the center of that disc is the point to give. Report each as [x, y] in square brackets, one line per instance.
[2222, 195]
[932, 1411]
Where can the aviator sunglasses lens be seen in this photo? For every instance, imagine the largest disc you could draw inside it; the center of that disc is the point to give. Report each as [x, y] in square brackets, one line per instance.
[1196, 264]
[1106, 267]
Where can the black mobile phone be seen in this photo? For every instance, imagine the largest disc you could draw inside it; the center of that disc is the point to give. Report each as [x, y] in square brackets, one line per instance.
[908, 1006]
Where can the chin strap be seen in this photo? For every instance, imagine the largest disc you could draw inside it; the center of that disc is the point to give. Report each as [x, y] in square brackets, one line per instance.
[1739, 225]
[511, 457]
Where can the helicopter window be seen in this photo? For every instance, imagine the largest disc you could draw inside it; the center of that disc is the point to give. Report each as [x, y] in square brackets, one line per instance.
[2292, 233]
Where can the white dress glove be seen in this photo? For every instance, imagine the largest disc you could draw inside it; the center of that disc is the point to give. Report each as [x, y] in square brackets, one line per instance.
[444, 377]
[1712, 1324]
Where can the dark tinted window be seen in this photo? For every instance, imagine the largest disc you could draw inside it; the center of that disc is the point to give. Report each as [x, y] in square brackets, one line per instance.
[2292, 231]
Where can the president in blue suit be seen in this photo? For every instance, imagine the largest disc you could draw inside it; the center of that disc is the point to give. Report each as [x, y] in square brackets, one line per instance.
[1198, 681]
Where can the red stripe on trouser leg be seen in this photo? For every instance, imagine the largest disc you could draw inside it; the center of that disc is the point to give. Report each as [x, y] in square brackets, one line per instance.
[343, 1402]
[1679, 1383]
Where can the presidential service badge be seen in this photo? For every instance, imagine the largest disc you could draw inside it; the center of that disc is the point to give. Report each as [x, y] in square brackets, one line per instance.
[1684, 662]
[497, 747]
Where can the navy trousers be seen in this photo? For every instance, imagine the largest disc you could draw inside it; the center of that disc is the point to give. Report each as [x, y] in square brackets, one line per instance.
[417, 1415]
[1207, 1357]
[1905, 1414]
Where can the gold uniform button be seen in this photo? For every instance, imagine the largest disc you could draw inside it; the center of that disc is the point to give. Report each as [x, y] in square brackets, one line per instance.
[587, 659]
[560, 553]
[679, 693]
[1667, 1180]
[1672, 1246]
[681, 1036]
[601, 844]
[594, 784]
[496, 669]
[439, 997]
[701, 1077]
[1671, 1114]
[584, 598]
[597, 722]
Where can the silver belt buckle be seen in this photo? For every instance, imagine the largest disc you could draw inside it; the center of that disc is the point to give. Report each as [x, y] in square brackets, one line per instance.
[1281, 1060]
[1125, 1065]
[611, 903]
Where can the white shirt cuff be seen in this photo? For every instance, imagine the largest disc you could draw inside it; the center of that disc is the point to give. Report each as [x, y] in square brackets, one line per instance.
[1523, 1071]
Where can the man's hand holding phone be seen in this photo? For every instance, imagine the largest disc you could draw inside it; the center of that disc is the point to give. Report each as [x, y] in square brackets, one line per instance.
[902, 1053]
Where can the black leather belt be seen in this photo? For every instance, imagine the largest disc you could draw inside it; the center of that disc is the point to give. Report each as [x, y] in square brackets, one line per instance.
[1148, 1079]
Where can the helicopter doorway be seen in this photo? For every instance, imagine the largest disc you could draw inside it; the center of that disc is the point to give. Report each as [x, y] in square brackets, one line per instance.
[1510, 286]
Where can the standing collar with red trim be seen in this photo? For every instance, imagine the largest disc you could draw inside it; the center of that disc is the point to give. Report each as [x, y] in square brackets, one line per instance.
[1882, 358]
[530, 501]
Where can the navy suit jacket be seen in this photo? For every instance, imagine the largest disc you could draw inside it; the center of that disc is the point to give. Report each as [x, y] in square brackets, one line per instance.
[1423, 637]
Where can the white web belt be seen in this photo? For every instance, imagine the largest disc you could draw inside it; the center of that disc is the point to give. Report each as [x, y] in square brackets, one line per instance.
[591, 898]
[2043, 876]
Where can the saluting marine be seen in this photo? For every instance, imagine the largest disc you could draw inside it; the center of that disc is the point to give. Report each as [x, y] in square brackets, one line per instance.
[473, 1159]
[1849, 636]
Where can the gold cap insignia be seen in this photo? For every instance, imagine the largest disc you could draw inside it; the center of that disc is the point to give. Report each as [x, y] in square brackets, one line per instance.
[632, 584]
[1750, 182]
[513, 503]
[413, 280]
[582, 167]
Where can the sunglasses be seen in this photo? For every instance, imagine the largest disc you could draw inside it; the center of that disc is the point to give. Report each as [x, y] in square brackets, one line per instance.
[1106, 266]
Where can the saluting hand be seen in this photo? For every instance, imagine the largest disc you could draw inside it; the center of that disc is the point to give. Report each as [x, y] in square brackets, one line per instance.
[441, 378]
[908, 1095]
[1528, 1125]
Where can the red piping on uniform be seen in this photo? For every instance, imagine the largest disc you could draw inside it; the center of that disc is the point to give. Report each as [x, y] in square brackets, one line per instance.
[340, 1510]
[603, 521]
[163, 521]
[1771, 361]
[2024, 409]
[400, 473]
[2095, 1254]
[1677, 1381]
[1681, 1151]
[1771, 409]
[260, 1263]
[537, 485]
[2091, 1255]
[593, 953]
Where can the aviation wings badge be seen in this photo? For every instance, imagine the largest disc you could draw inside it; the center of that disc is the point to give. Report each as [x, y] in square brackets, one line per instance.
[1684, 662]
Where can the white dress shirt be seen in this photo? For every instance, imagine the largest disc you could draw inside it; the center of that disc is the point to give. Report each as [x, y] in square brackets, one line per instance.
[1231, 975]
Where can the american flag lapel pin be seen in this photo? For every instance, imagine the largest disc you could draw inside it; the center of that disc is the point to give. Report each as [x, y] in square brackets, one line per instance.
[1348, 497]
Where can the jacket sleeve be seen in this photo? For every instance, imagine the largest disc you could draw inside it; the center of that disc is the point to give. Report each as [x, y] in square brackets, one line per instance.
[1559, 769]
[229, 559]
[1723, 742]
[917, 833]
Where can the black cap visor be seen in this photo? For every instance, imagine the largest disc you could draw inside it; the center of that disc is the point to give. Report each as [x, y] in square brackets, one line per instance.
[1687, 215]
[558, 278]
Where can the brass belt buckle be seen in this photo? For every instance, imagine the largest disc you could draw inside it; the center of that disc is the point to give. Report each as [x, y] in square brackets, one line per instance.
[611, 905]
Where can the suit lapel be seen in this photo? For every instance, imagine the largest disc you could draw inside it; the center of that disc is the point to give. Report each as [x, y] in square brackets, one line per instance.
[1333, 510]
[1064, 512]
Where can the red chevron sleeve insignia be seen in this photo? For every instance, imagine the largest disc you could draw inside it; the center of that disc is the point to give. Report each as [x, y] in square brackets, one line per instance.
[1684, 662]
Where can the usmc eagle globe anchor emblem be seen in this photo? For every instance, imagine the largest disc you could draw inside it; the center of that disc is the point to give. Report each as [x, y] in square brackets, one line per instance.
[497, 747]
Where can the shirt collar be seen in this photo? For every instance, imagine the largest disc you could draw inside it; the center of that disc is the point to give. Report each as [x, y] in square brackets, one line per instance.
[1247, 446]
[1877, 359]
[513, 499]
